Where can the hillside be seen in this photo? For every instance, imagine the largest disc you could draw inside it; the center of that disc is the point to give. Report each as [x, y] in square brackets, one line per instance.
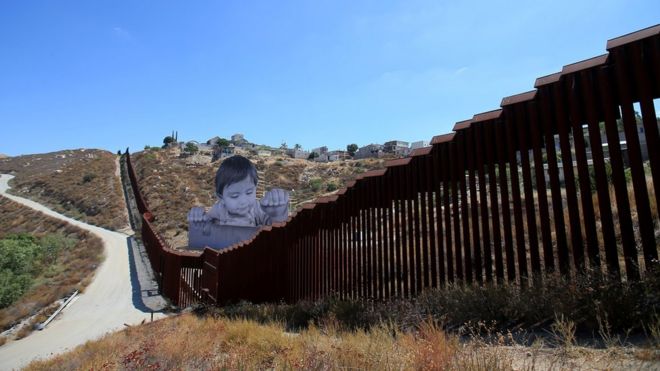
[172, 186]
[68, 257]
[78, 183]
[189, 342]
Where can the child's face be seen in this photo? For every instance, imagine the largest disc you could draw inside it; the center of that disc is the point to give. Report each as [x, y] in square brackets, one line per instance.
[239, 197]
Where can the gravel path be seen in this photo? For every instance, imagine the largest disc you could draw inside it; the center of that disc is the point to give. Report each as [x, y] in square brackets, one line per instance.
[106, 305]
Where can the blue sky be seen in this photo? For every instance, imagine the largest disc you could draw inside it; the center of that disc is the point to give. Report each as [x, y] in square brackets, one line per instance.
[116, 74]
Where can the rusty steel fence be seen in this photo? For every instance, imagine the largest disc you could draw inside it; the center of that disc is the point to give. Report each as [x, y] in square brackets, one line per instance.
[178, 273]
[563, 180]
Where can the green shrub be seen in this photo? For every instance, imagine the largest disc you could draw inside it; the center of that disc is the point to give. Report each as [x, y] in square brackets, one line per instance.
[191, 148]
[22, 257]
[17, 256]
[315, 184]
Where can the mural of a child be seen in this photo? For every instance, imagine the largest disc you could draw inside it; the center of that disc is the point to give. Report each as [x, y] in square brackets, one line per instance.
[237, 205]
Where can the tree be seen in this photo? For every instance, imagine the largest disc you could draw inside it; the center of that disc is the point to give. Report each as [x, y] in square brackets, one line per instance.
[297, 147]
[191, 148]
[312, 156]
[222, 142]
[167, 141]
[284, 146]
[351, 149]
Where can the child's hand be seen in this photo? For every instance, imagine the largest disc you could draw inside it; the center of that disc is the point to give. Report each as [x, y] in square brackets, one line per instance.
[197, 215]
[276, 203]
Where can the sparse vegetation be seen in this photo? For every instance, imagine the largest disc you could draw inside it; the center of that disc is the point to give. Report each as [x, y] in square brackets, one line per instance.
[172, 188]
[315, 184]
[88, 178]
[42, 259]
[78, 183]
[22, 258]
[586, 305]
[191, 148]
[331, 187]
[219, 343]
[205, 341]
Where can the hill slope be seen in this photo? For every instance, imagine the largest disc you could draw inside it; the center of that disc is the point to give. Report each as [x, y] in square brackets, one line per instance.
[81, 184]
[189, 342]
[70, 268]
[171, 186]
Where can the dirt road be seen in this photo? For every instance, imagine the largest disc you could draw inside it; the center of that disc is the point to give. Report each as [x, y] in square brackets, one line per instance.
[105, 306]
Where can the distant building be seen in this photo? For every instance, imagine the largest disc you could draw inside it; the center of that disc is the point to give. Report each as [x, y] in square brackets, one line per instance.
[298, 153]
[263, 153]
[222, 152]
[337, 155]
[238, 139]
[320, 150]
[419, 144]
[396, 147]
[369, 151]
[321, 158]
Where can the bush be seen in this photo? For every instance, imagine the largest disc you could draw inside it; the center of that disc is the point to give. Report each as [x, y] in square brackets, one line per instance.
[22, 257]
[17, 256]
[88, 178]
[315, 184]
[351, 149]
[332, 186]
[585, 300]
[191, 148]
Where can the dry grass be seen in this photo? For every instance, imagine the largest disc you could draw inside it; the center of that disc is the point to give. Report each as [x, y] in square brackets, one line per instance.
[77, 183]
[192, 343]
[188, 342]
[71, 270]
[171, 187]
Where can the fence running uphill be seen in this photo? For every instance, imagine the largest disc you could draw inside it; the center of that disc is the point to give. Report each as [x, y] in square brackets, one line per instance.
[563, 179]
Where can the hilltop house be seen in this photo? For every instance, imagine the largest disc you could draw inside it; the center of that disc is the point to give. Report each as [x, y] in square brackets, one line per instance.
[297, 153]
[238, 139]
[337, 155]
[397, 147]
[369, 151]
[222, 152]
[320, 150]
[419, 144]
